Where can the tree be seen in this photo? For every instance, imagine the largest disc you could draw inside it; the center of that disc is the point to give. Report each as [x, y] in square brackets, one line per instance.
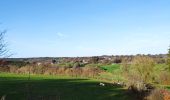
[3, 45]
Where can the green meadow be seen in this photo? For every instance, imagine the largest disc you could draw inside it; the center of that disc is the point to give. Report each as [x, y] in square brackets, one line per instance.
[18, 87]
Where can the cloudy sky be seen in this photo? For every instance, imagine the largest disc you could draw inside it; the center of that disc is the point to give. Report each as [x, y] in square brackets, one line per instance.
[40, 28]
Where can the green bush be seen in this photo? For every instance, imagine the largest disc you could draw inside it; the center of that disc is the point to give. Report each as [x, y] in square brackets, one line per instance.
[143, 69]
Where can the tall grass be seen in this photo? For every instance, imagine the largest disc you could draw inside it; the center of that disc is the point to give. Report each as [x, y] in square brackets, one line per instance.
[48, 70]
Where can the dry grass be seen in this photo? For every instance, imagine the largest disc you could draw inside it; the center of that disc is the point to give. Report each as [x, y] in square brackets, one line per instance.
[76, 72]
[164, 78]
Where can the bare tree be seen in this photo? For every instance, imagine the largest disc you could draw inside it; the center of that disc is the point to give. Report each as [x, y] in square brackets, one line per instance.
[3, 45]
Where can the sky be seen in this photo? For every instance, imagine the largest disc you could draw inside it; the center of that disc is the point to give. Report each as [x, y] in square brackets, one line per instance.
[71, 28]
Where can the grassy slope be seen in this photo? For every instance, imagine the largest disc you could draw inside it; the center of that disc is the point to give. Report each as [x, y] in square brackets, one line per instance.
[113, 72]
[65, 88]
[111, 68]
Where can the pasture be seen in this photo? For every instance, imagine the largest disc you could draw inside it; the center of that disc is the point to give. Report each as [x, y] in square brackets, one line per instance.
[43, 87]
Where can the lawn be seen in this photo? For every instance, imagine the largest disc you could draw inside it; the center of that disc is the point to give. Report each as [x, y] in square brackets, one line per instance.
[111, 68]
[17, 87]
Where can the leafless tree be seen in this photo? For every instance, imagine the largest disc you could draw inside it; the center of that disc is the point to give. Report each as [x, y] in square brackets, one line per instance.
[3, 46]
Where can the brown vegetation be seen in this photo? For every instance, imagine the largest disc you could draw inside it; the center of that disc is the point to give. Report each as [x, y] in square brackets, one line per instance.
[49, 70]
[155, 95]
[164, 78]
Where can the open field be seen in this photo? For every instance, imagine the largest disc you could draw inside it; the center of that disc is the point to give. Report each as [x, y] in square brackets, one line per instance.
[17, 87]
[122, 81]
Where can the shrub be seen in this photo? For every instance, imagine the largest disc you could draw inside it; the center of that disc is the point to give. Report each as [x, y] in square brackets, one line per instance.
[38, 69]
[91, 71]
[76, 65]
[79, 71]
[13, 69]
[4, 69]
[166, 94]
[61, 70]
[94, 60]
[117, 60]
[76, 71]
[155, 95]
[51, 71]
[125, 68]
[143, 68]
[140, 74]
[69, 65]
[164, 78]
[24, 70]
[32, 69]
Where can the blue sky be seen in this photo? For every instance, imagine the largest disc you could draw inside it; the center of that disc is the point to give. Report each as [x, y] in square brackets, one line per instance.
[40, 28]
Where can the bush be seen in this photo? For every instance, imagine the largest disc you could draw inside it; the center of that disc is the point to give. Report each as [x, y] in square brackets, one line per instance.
[76, 72]
[166, 94]
[76, 65]
[51, 71]
[125, 68]
[94, 60]
[155, 95]
[139, 75]
[24, 70]
[4, 69]
[117, 60]
[164, 78]
[90, 71]
[143, 69]
[13, 69]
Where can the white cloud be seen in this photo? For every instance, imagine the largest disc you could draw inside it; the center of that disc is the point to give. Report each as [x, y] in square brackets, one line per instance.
[61, 35]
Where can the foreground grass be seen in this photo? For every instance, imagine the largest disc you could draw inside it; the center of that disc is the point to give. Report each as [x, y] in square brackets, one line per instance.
[17, 87]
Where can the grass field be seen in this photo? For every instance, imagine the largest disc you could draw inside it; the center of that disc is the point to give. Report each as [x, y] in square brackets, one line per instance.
[111, 68]
[113, 72]
[15, 87]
